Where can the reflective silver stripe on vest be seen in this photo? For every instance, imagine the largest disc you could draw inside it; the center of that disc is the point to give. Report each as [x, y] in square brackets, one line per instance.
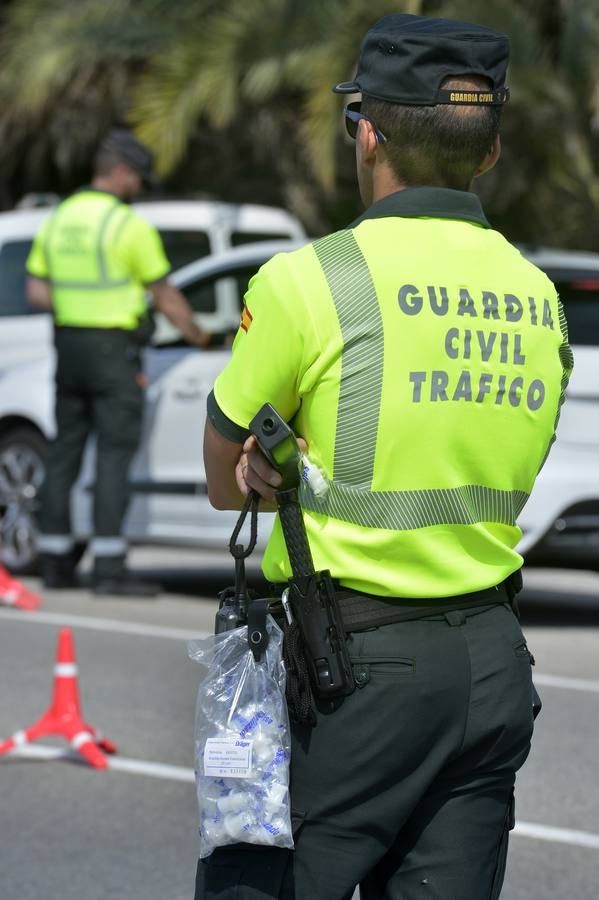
[566, 358]
[350, 497]
[360, 388]
[407, 510]
[103, 282]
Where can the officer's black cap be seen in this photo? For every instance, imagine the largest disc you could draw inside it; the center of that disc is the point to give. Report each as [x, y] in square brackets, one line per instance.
[404, 59]
[130, 150]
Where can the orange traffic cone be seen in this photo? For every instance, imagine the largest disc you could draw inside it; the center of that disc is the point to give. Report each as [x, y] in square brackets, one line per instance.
[14, 593]
[64, 715]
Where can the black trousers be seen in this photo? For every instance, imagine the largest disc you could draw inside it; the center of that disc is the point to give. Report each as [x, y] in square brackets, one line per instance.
[96, 393]
[406, 786]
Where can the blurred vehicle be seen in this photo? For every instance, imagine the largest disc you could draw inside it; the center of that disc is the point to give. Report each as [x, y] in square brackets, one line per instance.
[560, 523]
[190, 230]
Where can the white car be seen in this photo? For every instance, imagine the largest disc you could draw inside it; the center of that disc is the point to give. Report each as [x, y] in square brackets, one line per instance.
[560, 522]
[169, 503]
[190, 229]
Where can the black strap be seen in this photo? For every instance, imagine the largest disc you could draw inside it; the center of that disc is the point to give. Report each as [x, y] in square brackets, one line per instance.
[257, 634]
[299, 690]
[251, 503]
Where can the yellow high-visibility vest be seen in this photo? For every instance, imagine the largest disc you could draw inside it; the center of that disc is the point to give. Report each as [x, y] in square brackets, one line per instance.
[97, 254]
[424, 361]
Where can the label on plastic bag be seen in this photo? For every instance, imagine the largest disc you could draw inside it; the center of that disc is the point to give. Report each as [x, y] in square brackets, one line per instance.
[228, 757]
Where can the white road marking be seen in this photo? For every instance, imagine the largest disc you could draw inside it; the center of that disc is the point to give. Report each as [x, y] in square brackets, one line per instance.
[570, 684]
[96, 624]
[116, 763]
[154, 770]
[180, 773]
[557, 835]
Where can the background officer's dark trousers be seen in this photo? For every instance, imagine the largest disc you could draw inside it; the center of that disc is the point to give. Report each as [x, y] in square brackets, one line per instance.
[407, 787]
[96, 392]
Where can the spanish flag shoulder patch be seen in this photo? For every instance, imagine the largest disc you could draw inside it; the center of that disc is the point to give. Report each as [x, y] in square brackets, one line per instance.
[246, 318]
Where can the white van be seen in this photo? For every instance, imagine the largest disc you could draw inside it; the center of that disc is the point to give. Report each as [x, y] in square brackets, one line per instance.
[190, 229]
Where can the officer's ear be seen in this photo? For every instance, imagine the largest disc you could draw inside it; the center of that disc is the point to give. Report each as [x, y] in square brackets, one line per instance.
[491, 158]
[367, 143]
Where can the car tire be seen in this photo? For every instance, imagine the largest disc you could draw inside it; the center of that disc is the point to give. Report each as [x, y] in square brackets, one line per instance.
[22, 467]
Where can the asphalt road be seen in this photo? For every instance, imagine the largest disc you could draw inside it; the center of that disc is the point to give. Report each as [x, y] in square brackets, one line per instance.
[68, 832]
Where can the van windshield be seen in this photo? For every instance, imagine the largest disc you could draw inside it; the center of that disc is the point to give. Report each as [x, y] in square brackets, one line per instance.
[182, 247]
[239, 238]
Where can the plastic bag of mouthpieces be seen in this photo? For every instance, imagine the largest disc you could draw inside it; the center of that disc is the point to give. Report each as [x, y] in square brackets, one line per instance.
[242, 742]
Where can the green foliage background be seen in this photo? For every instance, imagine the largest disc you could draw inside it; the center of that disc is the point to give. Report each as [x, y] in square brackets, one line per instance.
[234, 98]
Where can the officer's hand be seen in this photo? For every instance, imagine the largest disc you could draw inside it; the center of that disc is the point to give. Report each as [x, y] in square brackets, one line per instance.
[254, 472]
[198, 337]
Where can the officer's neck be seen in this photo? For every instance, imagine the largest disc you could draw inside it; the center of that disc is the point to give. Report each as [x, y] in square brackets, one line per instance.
[385, 182]
[107, 185]
[391, 185]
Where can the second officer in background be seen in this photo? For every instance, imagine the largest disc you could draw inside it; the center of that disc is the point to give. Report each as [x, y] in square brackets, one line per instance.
[91, 263]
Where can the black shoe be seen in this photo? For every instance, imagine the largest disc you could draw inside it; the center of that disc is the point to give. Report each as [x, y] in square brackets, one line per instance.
[125, 586]
[58, 570]
[61, 581]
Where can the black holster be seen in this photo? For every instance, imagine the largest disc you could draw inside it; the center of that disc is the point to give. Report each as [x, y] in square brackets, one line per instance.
[314, 606]
[315, 651]
[141, 335]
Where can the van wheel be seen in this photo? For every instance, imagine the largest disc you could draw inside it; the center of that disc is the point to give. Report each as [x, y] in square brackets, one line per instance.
[22, 455]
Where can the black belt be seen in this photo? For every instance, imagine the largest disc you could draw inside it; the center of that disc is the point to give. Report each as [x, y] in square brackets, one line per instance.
[362, 611]
[92, 329]
[359, 611]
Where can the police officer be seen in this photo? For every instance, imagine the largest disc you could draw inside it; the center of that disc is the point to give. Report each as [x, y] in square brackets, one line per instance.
[91, 263]
[424, 361]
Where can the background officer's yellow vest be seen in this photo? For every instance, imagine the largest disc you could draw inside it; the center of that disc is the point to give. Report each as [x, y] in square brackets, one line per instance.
[91, 286]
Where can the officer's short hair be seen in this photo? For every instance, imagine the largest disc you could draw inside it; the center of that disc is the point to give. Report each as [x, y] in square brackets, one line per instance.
[120, 146]
[105, 161]
[436, 145]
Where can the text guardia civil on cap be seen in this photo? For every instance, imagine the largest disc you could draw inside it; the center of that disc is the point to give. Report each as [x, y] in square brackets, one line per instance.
[404, 59]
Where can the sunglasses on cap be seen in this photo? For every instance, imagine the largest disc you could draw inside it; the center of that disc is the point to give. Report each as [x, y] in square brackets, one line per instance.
[353, 115]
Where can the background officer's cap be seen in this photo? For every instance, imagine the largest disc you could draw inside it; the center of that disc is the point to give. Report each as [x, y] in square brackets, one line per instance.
[127, 148]
[404, 59]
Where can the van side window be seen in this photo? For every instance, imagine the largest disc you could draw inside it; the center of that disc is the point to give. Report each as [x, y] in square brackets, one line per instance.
[201, 295]
[217, 300]
[13, 255]
[580, 297]
[182, 247]
[251, 237]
